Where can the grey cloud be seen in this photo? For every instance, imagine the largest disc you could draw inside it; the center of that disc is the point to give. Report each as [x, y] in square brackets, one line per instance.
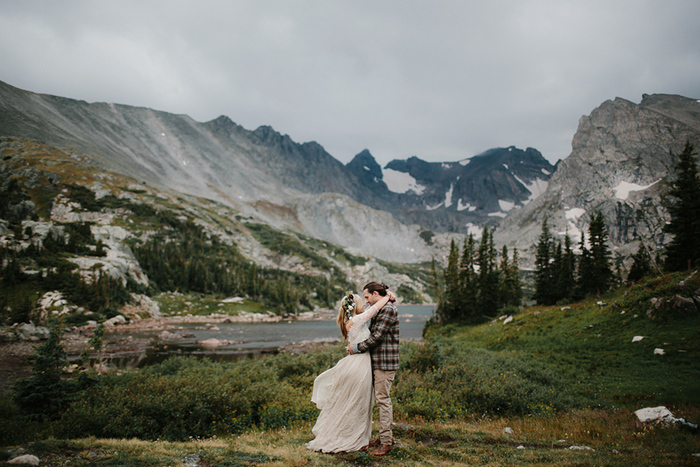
[442, 80]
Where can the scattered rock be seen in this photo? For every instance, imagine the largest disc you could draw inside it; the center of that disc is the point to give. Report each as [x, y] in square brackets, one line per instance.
[660, 415]
[659, 351]
[6, 336]
[212, 342]
[191, 460]
[119, 319]
[637, 338]
[167, 335]
[508, 320]
[25, 459]
[676, 305]
[402, 426]
[521, 447]
[508, 430]
[601, 305]
[29, 332]
[581, 448]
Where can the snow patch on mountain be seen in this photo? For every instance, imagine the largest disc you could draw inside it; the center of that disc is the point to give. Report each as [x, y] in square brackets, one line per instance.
[506, 205]
[401, 182]
[448, 196]
[462, 207]
[575, 213]
[474, 230]
[623, 189]
[536, 187]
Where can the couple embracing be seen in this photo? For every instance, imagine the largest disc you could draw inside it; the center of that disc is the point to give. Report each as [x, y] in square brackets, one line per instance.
[346, 393]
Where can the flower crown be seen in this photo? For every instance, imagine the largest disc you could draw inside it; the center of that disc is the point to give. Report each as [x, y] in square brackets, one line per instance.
[349, 304]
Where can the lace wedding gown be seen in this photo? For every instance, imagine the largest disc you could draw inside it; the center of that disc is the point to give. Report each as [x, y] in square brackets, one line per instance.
[345, 396]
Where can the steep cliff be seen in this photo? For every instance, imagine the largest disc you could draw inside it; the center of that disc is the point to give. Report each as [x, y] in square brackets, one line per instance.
[622, 156]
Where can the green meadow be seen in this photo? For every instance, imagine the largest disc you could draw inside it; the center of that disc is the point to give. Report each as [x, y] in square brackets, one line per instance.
[565, 380]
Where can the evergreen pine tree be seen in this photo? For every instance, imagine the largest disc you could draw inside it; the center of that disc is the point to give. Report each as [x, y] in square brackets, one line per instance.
[448, 310]
[503, 292]
[600, 255]
[543, 267]
[684, 250]
[641, 265]
[469, 286]
[585, 283]
[557, 267]
[487, 298]
[566, 281]
[514, 284]
[434, 281]
[45, 394]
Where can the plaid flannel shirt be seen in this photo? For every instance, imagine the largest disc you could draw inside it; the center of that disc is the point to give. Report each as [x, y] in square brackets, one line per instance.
[383, 342]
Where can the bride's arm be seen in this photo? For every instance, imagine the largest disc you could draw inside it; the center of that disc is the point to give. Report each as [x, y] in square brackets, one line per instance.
[371, 311]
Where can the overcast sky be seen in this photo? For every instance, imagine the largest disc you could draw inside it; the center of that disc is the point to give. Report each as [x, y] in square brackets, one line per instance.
[441, 80]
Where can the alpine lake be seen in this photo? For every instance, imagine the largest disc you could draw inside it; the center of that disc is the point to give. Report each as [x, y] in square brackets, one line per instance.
[247, 340]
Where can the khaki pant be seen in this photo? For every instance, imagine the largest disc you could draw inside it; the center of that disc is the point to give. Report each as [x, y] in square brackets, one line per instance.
[382, 386]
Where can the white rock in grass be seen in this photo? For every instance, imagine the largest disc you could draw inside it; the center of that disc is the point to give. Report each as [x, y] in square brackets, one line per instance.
[508, 320]
[508, 430]
[654, 414]
[637, 338]
[25, 459]
[659, 351]
[581, 448]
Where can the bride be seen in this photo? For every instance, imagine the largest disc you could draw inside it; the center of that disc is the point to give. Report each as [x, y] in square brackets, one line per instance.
[344, 393]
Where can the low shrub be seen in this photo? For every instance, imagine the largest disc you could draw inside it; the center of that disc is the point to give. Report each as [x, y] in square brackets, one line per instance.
[441, 380]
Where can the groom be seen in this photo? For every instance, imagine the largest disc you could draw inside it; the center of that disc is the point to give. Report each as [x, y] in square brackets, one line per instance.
[383, 344]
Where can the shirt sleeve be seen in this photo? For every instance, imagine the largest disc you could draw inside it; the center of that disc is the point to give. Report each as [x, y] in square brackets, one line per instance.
[383, 323]
[364, 316]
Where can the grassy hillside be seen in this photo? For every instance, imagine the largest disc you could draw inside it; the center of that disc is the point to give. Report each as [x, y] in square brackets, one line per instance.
[589, 344]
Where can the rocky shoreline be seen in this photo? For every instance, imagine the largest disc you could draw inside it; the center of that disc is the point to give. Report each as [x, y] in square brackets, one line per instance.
[18, 342]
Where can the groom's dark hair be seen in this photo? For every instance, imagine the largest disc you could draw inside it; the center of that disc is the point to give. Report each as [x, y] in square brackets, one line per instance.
[372, 287]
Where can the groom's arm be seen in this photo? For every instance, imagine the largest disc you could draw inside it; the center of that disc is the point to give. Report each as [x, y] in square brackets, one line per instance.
[384, 321]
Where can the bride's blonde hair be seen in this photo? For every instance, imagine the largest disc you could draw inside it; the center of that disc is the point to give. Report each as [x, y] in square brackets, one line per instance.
[350, 305]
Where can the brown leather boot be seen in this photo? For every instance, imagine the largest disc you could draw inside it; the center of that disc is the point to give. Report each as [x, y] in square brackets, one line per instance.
[381, 450]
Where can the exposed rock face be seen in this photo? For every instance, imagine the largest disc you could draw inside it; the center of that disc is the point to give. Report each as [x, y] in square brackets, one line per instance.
[622, 155]
[463, 196]
[261, 173]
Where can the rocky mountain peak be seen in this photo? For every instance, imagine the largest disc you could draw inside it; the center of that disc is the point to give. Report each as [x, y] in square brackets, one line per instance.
[621, 155]
[365, 167]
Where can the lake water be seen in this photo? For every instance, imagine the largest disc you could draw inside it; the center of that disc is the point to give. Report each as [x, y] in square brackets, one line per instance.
[252, 340]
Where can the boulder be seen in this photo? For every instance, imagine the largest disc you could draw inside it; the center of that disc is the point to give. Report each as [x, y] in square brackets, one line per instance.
[26, 459]
[655, 414]
[119, 319]
[29, 332]
[676, 305]
[6, 336]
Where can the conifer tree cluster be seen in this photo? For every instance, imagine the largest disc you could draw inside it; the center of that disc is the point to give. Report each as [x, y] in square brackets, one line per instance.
[684, 250]
[561, 276]
[475, 284]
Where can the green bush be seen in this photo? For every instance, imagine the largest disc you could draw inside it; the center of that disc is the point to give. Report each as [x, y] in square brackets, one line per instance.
[185, 397]
[441, 380]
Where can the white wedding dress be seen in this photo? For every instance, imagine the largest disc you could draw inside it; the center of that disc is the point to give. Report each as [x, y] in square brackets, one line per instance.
[345, 396]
